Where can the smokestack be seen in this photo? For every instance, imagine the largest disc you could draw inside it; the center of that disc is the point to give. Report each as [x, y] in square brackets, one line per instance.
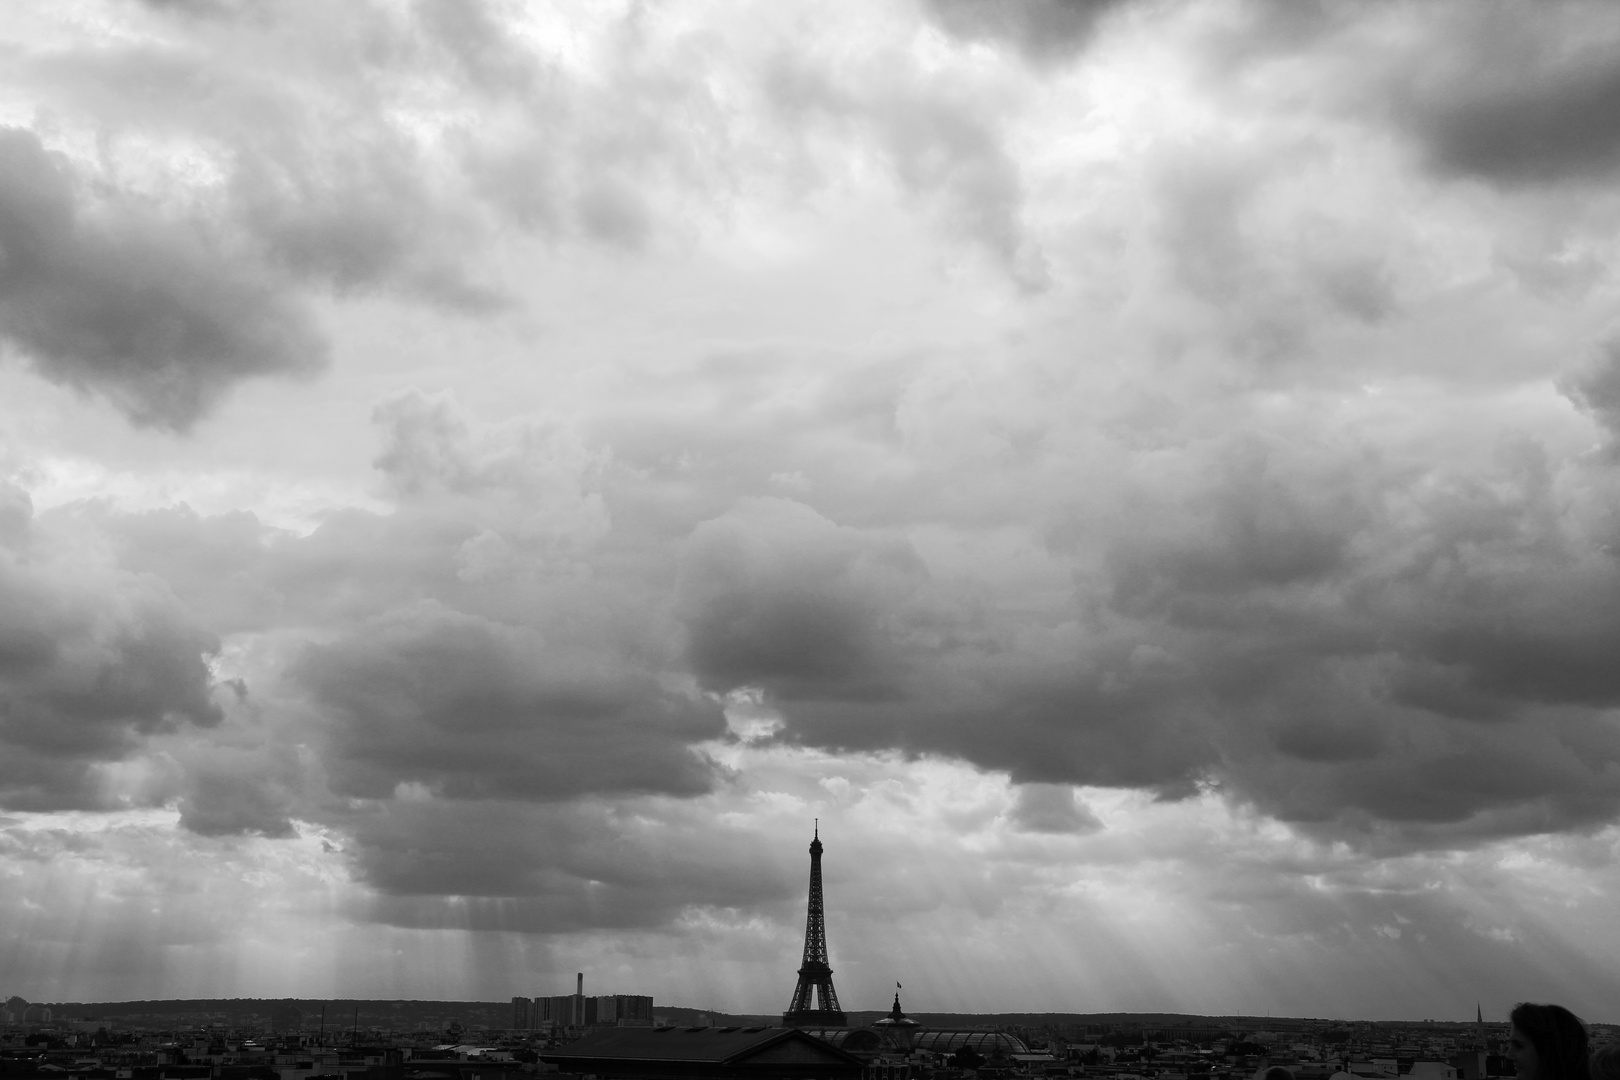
[579, 983]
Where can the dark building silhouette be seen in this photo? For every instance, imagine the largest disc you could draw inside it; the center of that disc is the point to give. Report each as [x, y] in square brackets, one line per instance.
[625, 1010]
[815, 976]
[704, 1053]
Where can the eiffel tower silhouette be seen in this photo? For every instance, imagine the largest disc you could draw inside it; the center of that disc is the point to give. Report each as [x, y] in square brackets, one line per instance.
[815, 977]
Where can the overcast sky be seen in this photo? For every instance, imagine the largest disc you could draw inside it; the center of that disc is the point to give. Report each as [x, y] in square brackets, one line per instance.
[477, 481]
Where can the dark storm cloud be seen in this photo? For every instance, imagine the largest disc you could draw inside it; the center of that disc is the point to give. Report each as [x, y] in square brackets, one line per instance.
[473, 709]
[231, 794]
[1527, 111]
[1043, 31]
[557, 868]
[1515, 94]
[1254, 526]
[843, 628]
[92, 661]
[1444, 683]
[1026, 716]
[444, 655]
[423, 651]
[1371, 653]
[154, 315]
[1400, 656]
[778, 595]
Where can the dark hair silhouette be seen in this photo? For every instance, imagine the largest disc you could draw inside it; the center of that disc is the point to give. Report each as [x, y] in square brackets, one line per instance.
[1277, 1072]
[1559, 1038]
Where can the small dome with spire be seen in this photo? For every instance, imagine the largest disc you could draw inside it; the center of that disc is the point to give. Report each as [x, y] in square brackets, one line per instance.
[898, 1030]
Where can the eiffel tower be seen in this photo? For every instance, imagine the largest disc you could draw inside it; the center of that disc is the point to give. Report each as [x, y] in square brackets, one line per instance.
[815, 977]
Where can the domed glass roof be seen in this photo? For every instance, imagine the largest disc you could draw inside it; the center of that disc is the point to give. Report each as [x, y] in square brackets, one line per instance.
[950, 1040]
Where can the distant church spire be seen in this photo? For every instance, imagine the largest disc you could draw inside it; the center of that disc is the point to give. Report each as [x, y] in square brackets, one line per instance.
[815, 976]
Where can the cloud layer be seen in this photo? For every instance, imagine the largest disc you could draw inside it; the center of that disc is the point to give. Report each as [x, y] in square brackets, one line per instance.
[157, 315]
[1083, 453]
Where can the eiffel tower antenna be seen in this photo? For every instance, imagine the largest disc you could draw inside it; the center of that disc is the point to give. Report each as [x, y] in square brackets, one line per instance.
[815, 977]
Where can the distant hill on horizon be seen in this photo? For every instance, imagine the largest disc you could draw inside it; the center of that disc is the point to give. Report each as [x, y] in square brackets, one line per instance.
[406, 1013]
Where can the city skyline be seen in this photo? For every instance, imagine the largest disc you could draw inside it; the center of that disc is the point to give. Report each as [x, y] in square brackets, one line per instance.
[356, 1012]
[480, 480]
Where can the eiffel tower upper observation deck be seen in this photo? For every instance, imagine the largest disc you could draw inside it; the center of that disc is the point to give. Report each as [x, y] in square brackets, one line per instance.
[815, 977]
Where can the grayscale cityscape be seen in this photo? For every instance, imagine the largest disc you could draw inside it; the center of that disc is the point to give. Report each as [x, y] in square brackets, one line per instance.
[603, 1036]
[809, 539]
